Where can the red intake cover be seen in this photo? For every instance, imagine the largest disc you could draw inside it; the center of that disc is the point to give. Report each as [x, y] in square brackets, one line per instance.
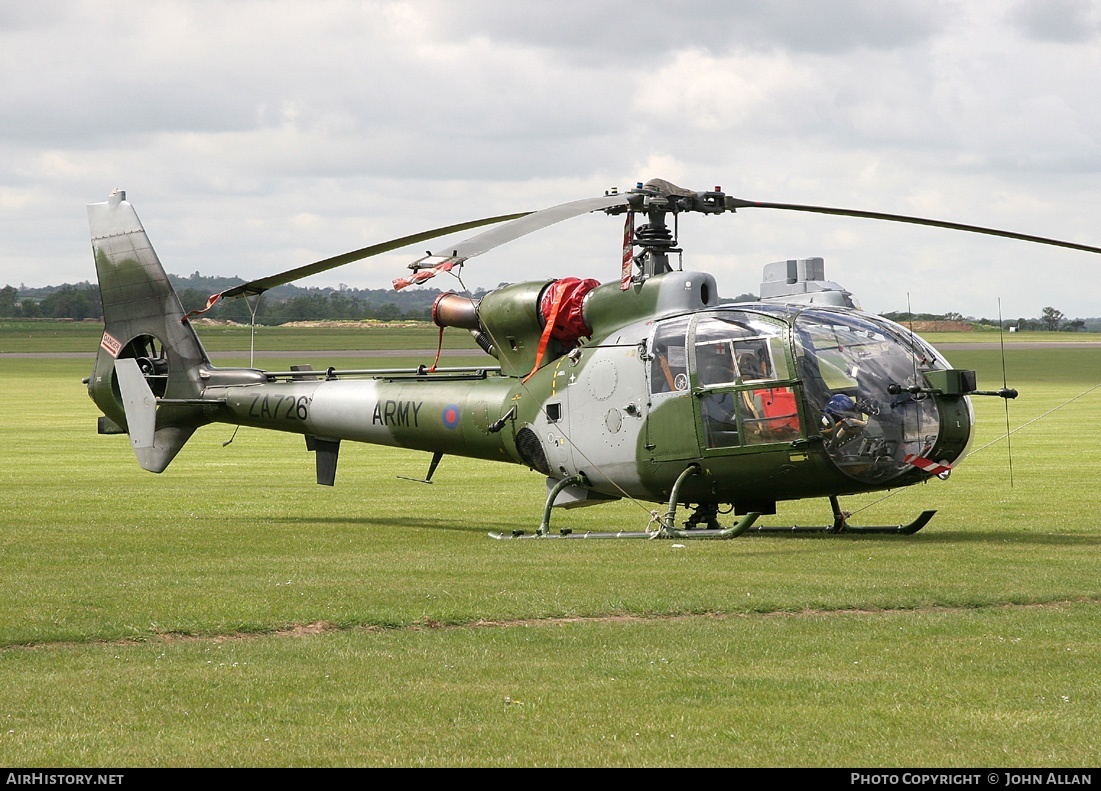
[569, 325]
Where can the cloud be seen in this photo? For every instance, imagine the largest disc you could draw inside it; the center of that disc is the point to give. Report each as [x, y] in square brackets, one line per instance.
[1060, 21]
[256, 136]
[646, 32]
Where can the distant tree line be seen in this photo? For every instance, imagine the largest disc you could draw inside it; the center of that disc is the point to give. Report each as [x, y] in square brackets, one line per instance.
[294, 303]
[277, 306]
[63, 302]
[1050, 319]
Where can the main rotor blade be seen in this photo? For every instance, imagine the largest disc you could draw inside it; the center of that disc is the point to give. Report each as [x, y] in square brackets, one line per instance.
[263, 284]
[529, 223]
[733, 204]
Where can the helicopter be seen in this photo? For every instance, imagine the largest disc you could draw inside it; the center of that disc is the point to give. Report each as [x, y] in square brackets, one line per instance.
[648, 386]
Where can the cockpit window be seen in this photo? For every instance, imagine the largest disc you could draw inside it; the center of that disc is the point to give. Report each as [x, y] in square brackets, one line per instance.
[738, 349]
[740, 358]
[669, 366]
[855, 373]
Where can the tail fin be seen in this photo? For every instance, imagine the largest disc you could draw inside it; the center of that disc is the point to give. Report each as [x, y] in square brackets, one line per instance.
[149, 361]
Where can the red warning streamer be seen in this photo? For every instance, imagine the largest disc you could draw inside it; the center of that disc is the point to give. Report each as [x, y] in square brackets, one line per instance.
[628, 250]
[544, 339]
[439, 350]
[421, 275]
[930, 466]
[211, 302]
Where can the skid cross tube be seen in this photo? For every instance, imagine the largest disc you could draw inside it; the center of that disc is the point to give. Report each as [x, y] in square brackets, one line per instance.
[544, 526]
[669, 527]
[666, 529]
[669, 523]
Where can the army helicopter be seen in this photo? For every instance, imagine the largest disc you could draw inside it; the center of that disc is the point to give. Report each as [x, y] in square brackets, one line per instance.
[647, 387]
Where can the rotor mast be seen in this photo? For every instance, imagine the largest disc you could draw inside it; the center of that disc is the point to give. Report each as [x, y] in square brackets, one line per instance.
[655, 241]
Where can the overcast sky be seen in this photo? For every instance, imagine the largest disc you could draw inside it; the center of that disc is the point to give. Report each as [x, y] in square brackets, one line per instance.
[253, 137]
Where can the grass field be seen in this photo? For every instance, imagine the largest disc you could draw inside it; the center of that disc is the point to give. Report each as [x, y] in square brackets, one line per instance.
[230, 612]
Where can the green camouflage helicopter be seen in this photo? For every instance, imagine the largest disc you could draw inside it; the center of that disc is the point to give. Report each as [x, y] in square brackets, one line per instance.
[648, 387]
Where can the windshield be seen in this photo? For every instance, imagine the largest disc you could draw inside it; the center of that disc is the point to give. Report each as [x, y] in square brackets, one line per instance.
[855, 372]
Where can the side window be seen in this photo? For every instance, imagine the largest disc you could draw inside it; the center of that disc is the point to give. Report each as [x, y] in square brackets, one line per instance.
[767, 414]
[720, 419]
[771, 415]
[754, 362]
[740, 359]
[669, 366]
[715, 363]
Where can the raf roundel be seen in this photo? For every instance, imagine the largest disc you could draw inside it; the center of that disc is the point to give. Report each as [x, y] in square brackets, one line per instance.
[451, 416]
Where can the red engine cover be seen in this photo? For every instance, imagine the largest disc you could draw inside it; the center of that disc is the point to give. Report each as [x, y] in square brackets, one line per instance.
[569, 293]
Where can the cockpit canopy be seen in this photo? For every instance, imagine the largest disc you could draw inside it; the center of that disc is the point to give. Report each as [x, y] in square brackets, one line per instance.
[773, 374]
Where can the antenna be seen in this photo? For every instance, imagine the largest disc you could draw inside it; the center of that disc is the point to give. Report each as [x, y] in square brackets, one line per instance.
[1008, 433]
[253, 306]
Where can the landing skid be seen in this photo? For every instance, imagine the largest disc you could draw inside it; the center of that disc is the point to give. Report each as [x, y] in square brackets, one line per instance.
[662, 532]
[666, 525]
[841, 526]
[567, 533]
